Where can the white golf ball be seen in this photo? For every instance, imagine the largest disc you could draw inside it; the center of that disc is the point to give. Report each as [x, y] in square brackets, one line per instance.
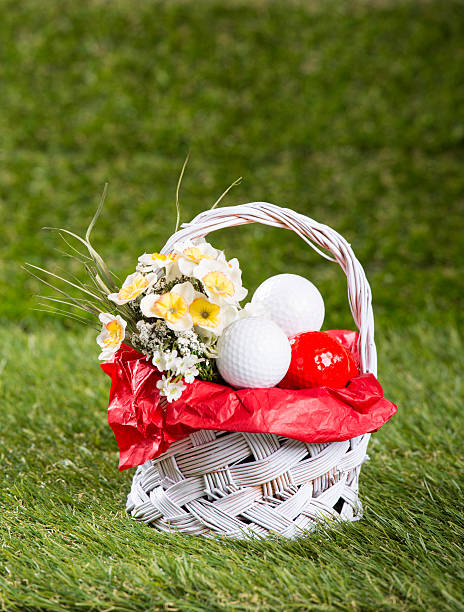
[291, 301]
[253, 353]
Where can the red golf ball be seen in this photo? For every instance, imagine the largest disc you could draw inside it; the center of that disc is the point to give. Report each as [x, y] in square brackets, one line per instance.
[318, 361]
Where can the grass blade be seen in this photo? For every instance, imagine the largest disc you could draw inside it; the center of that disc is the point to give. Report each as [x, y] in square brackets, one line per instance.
[179, 182]
[90, 308]
[64, 280]
[236, 182]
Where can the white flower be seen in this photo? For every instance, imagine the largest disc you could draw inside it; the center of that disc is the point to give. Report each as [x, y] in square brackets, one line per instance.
[157, 260]
[229, 314]
[209, 316]
[177, 367]
[159, 361]
[111, 336]
[172, 306]
[187, 367]
[235, 274]
[134, 285]
[190, 375]
[170, 389]
[192, 252]
[187, 362]
[223, 282]
[172, 361]
[163, 265]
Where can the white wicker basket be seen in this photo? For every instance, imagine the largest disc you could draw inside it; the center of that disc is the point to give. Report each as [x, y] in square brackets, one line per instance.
[253, 485]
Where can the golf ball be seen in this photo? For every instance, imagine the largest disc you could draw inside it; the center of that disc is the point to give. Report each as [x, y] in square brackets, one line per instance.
[253, 353]
[291, 301]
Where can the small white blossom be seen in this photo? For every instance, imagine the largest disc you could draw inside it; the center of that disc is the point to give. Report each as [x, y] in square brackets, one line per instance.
[170, 389]
[172, 361]
[159, 361]
[187, 369]
[190, 374]
[188, 362]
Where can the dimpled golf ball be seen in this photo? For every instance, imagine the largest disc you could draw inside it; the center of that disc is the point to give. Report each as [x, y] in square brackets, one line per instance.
[253, 353]
[318, 360]
[291, 301]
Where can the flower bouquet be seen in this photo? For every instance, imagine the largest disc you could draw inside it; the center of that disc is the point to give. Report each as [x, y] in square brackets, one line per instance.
[242, 419]
[178, 306]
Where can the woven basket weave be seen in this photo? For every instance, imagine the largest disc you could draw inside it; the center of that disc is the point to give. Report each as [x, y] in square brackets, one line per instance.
[253, 485]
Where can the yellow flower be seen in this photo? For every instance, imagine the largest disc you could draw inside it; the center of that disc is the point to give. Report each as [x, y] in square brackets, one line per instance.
[111, 336]
[171, 306]
[133, 286]
[205, 313]
[132, 291]
[115, 334]
[160, 257]
[194, 255]
[157, 261]
[218, 284]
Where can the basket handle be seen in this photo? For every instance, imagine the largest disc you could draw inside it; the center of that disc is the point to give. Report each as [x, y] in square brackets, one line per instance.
[315, 235]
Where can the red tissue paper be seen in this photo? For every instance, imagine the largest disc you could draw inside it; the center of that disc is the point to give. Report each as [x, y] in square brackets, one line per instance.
[145, 427]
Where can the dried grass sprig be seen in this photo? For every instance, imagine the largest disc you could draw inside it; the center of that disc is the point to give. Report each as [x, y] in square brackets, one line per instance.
[66, 314]
[223, 195]
[93, 295]
[179, 183]
[103, 270]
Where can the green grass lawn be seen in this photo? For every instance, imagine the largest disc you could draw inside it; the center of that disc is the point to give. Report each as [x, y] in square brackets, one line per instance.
[352, 116]
[68, 543]
[352, 113]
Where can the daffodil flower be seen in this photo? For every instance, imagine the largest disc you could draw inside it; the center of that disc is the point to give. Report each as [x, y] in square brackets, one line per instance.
[223, 284]
[209, 317]
[157, 260]
[191, 253]
[235, 274]
[160, 264]
[205, 314]
[134, 285]
[218, 285]
[111, 336]
[172, 306]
